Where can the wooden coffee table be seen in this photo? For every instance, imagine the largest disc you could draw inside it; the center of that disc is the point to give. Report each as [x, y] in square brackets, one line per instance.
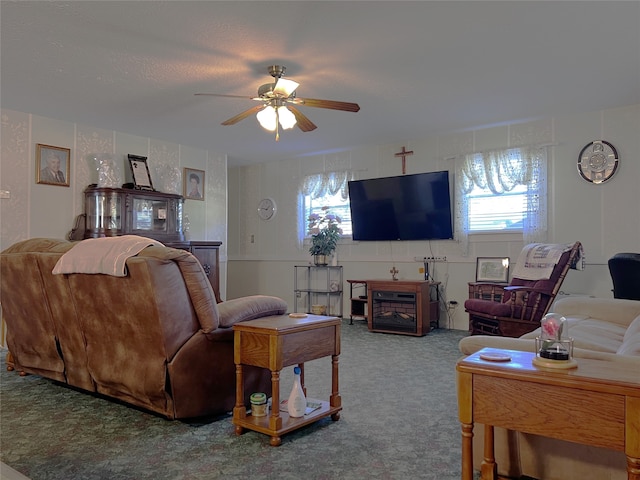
[277, 342]
[597, 403]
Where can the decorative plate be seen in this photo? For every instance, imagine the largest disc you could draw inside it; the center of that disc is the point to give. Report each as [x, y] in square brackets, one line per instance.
[598, 161]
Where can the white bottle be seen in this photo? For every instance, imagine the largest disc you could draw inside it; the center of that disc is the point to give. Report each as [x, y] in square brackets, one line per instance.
[297, 403]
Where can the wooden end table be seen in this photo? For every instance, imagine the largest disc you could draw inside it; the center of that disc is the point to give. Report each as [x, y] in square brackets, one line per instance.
[597, 403]
[277, 342]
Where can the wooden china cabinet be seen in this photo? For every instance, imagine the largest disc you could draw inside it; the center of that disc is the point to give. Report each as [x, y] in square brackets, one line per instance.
[110, 212]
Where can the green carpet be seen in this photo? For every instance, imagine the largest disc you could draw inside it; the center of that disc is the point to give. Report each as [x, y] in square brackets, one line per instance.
[399, 421]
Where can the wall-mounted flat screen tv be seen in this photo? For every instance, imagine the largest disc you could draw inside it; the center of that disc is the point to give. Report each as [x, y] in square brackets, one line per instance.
[407, 207]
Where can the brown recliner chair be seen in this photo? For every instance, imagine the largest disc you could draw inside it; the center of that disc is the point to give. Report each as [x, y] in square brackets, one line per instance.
[516, 309]
[154, 338]
[625, 274]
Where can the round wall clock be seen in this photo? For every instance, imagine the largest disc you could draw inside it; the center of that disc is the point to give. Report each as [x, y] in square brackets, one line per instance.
[266, 208]
[598, 161]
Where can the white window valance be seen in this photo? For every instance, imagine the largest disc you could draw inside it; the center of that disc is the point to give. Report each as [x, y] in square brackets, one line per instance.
[318, 185]
[501, 171]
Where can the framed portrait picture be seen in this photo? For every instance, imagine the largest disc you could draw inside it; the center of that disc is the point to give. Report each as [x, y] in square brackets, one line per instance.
[140, 172]
[492, 269]
[193, 184]
[52, 165]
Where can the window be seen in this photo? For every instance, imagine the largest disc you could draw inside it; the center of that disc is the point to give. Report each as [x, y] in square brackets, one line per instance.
[494, 212]
[335, 204]
[502, 191]
[329, 189]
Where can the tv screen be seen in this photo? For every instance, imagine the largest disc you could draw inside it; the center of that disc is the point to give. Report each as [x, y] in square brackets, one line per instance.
[407, 207]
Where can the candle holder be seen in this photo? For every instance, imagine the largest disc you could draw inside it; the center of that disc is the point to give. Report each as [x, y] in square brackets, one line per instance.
[554, 347]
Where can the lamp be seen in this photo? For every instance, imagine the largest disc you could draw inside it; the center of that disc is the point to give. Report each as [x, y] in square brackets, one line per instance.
[270, 116]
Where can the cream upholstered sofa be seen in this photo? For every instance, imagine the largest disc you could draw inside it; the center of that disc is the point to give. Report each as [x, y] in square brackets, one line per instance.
[602, 328]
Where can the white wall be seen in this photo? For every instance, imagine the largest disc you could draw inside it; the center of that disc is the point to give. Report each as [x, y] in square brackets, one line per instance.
[35, 210]
[605, 218]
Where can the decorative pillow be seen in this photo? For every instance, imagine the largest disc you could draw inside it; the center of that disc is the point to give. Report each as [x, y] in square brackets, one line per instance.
[630, 345]
[633, 329]
[249, 308]
[631, 340]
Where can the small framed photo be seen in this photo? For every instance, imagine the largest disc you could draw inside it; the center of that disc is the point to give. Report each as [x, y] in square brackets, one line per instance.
[492, 269]
[52, 165]
[193, 184]
[140, 172]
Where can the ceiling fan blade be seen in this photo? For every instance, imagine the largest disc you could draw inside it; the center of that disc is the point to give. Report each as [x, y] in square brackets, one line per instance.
[243, 115]
[227, 96]
[303, 122]
[332, 104]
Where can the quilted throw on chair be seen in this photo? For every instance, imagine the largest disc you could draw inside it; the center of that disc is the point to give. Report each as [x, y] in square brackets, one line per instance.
[537, 260]
[103, 255]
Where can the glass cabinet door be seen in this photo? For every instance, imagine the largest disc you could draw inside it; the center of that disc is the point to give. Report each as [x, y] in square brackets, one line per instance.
[104, 214]
[149, 215]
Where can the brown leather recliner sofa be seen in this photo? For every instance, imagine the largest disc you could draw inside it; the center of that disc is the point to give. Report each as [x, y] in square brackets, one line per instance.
[154, 338]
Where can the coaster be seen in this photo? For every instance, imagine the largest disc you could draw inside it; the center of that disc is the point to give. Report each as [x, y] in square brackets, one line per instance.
[297, 315]
[556, 364]
[495, 357]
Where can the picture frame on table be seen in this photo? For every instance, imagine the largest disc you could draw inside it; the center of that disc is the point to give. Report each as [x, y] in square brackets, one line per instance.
[492, 269]
[193, 184]
[140, 173]
[53, 165]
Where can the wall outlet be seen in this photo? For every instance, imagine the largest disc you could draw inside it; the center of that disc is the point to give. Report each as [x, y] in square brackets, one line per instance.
[430, 259]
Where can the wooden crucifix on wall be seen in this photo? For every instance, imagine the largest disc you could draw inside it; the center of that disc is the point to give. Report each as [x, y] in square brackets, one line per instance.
[404, 154]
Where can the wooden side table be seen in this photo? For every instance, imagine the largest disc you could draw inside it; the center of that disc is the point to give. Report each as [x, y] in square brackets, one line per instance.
[563, 404]
[277, 342]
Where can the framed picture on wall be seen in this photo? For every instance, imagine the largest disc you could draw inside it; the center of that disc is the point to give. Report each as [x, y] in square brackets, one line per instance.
[52, 165]
[140, 172]
[492, 269]
[193, 184]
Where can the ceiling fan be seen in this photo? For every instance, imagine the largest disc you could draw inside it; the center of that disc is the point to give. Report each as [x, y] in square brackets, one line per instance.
[279, 105]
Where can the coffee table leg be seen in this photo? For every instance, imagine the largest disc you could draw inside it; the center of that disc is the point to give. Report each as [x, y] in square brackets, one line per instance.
[304, 388]
[467, 451]
[489, 468]
[335, 400]
[275, 420]
[239, 411]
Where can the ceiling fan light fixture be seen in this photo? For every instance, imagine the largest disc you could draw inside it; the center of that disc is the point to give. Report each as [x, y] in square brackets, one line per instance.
[286, 117]
[284, 87]
[267, 118]
[270, 116]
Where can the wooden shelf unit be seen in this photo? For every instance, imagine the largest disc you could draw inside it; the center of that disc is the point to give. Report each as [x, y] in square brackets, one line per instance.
[357, 303]
[318, 285]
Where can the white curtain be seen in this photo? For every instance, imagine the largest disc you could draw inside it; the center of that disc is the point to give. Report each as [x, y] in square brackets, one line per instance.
[500, 171]
[329, 183]
[317, 186]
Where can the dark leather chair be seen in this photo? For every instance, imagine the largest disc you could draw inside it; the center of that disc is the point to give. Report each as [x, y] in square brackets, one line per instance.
[515, 309]
[625, 274]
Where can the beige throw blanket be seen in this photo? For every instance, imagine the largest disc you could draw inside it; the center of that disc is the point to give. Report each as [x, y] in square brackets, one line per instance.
[537, 260]
[103, 255]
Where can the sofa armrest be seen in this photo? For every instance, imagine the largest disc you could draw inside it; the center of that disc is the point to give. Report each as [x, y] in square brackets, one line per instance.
[248, 308]
[473, 343]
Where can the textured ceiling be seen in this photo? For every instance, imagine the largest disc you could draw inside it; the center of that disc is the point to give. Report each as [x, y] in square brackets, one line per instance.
[416, 68]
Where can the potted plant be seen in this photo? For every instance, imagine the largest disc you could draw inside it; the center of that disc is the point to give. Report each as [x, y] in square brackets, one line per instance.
[325, 232]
